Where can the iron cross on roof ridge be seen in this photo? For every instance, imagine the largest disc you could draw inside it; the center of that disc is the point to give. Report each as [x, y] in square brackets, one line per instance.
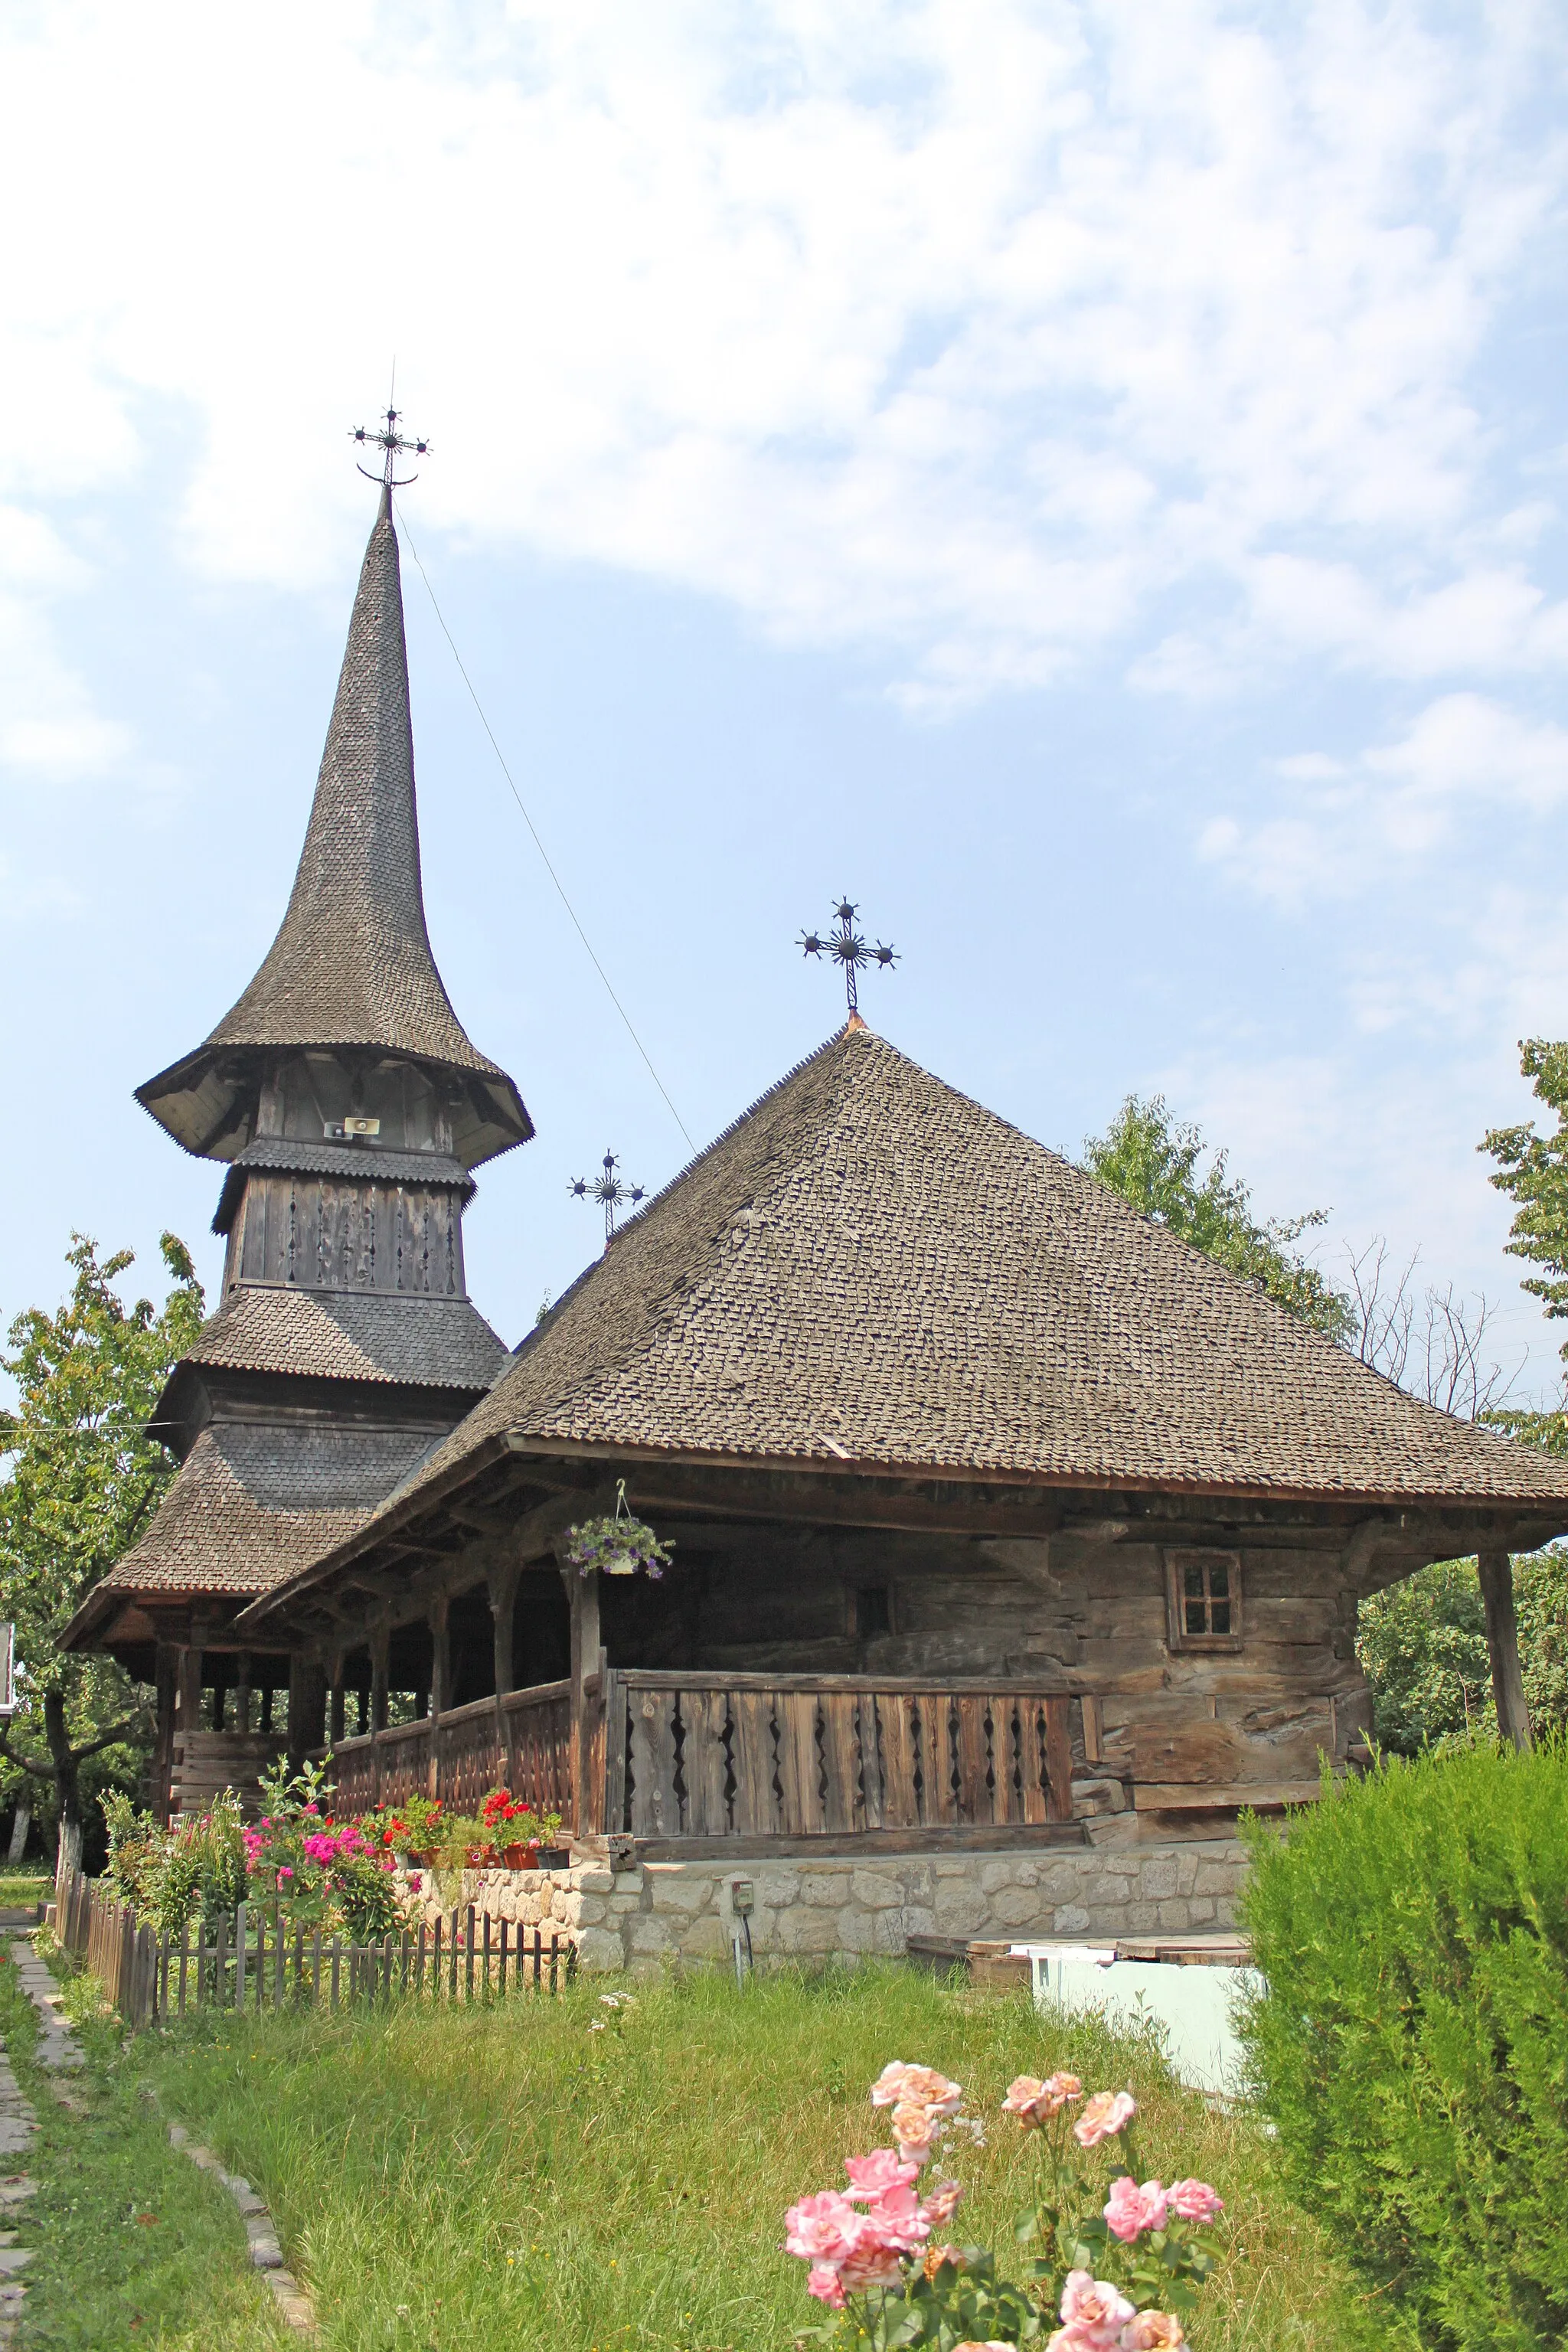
[608, 1191]
[393, 444]
[848, 949]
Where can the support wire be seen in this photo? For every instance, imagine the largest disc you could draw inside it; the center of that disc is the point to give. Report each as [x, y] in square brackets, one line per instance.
[544, 854]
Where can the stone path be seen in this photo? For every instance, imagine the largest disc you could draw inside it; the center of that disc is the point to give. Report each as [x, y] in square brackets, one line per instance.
[59, 2052]
[18, 2124]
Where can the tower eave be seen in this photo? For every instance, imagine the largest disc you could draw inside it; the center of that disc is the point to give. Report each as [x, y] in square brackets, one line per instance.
[206, 1100]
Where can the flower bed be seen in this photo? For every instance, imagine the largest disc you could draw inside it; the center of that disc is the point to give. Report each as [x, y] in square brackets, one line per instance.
[348, 1877]
[879, 2263]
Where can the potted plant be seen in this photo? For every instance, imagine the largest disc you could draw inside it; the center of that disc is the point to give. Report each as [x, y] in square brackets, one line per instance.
[620, 1545]
[518, 1831]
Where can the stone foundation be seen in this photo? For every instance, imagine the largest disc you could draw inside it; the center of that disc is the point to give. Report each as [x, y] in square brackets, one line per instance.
[837, 1907]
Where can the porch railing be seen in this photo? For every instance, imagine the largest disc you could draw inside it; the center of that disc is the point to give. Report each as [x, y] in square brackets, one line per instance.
[804, 1756]
[524, 1740]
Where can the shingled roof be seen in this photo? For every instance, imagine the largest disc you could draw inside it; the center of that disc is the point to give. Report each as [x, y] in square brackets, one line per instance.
[869, 1269]
[350, 1336]
[352, 962]
[253, 1504]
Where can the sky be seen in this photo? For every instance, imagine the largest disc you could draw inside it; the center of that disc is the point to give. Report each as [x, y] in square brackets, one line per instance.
[1084, 481]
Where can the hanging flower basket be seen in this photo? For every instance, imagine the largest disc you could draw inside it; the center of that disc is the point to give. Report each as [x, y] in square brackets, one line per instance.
[620, 1545]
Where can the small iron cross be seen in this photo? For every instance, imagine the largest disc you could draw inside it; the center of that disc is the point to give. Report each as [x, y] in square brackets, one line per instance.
[848, 949]
[393, 444]
[608, 1191]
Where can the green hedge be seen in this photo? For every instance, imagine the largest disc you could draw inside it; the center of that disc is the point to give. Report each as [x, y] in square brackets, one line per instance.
[1412, 2046]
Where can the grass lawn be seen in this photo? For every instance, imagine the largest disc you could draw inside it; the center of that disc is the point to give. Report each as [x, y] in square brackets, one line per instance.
[513, 2177]
[18, 1887]
[134, 2245]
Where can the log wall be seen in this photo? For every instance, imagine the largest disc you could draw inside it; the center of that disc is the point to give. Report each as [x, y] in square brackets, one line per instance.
[1177, 1728]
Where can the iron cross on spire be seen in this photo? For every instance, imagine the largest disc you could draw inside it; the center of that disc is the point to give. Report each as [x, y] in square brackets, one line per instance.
[608, 1190]
[393, 444]
[848, 948]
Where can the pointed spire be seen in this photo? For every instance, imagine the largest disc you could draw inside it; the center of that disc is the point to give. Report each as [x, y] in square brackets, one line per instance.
[351, 965]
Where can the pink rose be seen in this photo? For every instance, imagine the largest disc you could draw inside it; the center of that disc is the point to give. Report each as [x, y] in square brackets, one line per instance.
[876, 2259]
[943, 2202]
[916, 2129]
[1033, 2101]
[1079, 2338]
[1129, 2210]
[822, 2229]
[990, 2344]
[1104, 2114]
[826, 2285]
[896, 2219]
[1094, 2306]
[918, 2086]
[883, 2169]
[1194, 2200]
[1153, 2331]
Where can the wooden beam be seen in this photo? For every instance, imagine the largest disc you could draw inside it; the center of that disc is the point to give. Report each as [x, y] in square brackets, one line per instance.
[1502, 1645]
[1195, 1796]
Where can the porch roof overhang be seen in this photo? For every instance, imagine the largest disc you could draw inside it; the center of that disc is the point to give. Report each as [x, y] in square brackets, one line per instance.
[517, 1488]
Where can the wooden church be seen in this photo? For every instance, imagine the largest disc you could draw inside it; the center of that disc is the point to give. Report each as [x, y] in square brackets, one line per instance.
[1016, 1545]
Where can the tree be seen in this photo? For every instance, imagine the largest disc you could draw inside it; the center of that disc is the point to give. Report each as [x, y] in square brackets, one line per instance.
[1532, 1170]
[85, 1475]
[1423, 1644]
[1433, 1344]
[1152, 1161]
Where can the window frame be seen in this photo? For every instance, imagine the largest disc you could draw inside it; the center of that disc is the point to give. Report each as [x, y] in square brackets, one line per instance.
[871, 1584]
[1178, 1560]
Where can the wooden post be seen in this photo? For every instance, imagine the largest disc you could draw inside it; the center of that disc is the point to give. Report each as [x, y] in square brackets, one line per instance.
[336, 1726]
[167, 1673]
[587, 1693]
[502, 1581]
[380, 1648]
[440, 1683]
[242, 1693]
[188, 1716]
[307, 1704]
[1502, 1644]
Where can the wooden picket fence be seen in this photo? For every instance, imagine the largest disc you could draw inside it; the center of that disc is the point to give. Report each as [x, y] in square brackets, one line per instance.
[258, 1960]
[122, 1956]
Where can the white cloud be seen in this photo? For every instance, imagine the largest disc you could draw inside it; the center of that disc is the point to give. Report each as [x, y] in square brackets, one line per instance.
[970, 329]
[49, 730]
[1347, 826]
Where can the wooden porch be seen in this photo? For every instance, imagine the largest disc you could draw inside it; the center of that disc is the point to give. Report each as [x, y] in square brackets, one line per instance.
[686, 1761]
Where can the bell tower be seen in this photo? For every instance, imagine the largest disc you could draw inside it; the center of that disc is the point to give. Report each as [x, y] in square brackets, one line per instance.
[349, 1108]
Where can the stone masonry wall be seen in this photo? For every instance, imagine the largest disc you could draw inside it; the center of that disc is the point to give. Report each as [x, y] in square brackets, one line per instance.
[841, 1906]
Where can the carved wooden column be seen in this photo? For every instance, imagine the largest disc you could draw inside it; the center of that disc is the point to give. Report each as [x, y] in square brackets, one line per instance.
[1502, 1644]
[440, 1683]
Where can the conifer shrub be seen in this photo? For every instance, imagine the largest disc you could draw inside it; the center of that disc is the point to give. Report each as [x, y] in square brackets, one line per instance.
[1410, 2044]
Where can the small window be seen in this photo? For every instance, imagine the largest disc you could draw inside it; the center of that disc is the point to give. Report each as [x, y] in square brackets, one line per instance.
[873, 1611]
[1204, 1599]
